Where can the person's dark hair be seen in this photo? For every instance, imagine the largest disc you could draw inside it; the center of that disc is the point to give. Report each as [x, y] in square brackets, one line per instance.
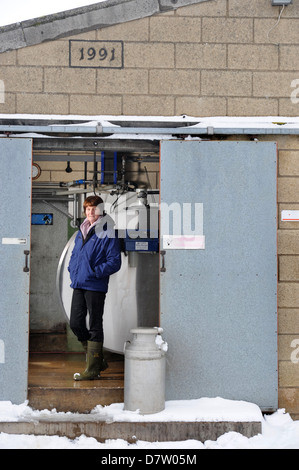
[93, 201]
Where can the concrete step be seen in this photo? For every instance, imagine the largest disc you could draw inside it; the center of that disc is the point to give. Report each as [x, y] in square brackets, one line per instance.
[132, 431]
[51, 385]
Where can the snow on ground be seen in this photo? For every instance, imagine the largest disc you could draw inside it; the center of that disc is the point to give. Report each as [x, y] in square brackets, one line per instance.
[279, 431]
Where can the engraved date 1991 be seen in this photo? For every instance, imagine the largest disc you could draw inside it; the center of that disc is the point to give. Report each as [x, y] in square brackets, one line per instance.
[96, 54]
[102, 54]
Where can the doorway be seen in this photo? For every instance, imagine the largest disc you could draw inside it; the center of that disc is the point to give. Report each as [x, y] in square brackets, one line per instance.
[54, 352]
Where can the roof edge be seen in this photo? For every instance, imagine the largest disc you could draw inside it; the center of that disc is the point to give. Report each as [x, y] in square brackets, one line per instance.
[82, 19]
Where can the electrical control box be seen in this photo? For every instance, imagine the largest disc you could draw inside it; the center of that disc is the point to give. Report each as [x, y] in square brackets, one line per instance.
[147, 243]
[281, 2]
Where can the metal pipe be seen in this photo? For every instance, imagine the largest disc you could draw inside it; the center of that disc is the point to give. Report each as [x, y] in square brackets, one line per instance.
[74, 222]
[47, 197]
[209, 130]
[115, 168]
[102, 167]
[54, 129]
[58, 209]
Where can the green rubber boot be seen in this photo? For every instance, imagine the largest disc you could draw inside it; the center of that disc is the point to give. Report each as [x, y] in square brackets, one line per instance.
[95, 362]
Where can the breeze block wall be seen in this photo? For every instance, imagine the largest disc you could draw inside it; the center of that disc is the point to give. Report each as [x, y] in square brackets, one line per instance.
[220, 57]
[216, 58]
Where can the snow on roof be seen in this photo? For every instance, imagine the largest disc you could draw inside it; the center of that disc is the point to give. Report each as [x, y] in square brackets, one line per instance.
[149, 127]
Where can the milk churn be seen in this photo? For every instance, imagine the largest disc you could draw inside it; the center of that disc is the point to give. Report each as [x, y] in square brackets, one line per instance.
[145, 371]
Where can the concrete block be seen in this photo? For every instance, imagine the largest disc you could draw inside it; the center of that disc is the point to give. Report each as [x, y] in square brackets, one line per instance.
[204, 56]
[288, 321]
[8, 103]
[124, 81]
[227, 30]
[175, 29]
[252, 107]
[288, 142]
[286, 32]
[288, 295]
[252, 57]
[289, 268]
[146, 105]
[226, 83]
[289, 163]
[149, 55]
[42, 103]
[289, 399]
[289, 59]
[65, 80]
[273, 84]
[174, 82]
[201, 106]
[288, 374]
[22, 79]
[55, 53]
[288, 241]
[288, 189]
[95, 104]
[286, 347]
[288, 108]
[254, 8]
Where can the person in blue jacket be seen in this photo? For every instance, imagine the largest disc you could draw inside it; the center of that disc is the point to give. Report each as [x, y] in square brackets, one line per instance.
[96, 255]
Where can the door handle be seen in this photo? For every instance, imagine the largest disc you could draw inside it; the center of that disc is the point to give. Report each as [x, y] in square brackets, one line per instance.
[163, 269]
[26, 268]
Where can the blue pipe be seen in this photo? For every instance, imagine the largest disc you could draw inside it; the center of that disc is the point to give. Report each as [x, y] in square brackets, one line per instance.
[102, 166]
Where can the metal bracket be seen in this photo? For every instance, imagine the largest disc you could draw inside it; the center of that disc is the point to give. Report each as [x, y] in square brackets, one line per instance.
[163, 269]
[26, 268]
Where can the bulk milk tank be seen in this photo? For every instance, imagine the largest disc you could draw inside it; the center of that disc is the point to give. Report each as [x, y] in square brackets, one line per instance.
[133, 295]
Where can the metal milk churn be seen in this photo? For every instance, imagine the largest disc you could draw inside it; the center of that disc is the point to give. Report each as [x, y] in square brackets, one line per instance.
[145, 371]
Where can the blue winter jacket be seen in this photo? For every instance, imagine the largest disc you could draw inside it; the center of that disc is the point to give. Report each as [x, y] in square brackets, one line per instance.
[93, 260]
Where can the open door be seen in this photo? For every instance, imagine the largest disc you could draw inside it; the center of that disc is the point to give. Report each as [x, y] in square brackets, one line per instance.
[15, 223]
[218, 285]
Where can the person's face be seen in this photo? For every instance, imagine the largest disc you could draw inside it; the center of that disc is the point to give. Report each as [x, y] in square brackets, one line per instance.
[92, 213]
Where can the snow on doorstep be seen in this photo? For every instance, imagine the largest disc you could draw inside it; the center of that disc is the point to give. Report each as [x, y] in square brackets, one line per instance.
[279, 431]
[202, 409]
